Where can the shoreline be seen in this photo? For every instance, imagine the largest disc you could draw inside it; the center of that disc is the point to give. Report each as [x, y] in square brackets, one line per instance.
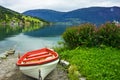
[9, 71]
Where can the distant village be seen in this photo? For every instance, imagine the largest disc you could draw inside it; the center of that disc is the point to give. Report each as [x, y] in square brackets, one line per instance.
[12, 23]
[21, 23]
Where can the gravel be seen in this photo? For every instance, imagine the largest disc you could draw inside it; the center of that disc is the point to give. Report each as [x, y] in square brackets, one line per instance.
[9, 71]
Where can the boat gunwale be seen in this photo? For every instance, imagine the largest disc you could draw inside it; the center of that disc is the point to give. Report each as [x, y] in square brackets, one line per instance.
[19, 62]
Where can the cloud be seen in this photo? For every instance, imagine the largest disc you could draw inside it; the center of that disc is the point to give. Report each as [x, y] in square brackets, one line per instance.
[59, 5]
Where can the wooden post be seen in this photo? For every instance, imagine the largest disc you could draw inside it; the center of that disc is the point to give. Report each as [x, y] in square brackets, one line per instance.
[18, 55]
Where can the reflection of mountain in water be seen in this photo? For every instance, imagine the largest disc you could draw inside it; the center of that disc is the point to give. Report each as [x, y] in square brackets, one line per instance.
[54, 30]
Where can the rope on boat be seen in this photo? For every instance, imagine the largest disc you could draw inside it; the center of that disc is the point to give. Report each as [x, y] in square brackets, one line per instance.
[40, 77]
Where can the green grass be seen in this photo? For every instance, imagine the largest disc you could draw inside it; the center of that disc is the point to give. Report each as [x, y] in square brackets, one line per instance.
[94, 63]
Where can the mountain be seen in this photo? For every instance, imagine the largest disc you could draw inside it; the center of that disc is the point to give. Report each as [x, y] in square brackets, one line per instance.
[10, 17]
[48, 15]
[95, 15]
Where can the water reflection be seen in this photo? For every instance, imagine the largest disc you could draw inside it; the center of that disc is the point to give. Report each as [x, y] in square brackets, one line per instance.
[46, 37]
[47, 31]
[23, 43]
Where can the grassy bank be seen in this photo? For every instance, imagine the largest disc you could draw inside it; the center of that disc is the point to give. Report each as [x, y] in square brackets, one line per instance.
[94, 63]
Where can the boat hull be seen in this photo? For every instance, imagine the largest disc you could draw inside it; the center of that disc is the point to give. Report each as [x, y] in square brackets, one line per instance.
[39, 70]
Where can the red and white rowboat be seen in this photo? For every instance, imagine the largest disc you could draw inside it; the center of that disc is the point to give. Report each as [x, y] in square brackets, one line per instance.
[38, 63]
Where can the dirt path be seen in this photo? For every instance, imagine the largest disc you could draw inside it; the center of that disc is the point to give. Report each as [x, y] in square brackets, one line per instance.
[9, 71]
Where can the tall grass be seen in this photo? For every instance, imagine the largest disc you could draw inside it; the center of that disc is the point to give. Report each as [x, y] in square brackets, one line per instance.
[94, 63]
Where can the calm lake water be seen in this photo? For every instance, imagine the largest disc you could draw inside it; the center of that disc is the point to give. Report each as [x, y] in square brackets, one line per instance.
[45, 37]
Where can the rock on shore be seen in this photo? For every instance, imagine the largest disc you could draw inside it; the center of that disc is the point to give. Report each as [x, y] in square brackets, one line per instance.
[7, 53]
[9, 71]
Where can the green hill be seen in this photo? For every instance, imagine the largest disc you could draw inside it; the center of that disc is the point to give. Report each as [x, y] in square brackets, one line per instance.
[9, 17]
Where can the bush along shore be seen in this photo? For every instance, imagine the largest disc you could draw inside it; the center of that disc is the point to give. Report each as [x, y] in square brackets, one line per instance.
[93, 52]
[89, 35]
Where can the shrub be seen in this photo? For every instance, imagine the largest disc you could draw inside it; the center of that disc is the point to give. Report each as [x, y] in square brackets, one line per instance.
[73, 72]
[108, 34]
[70, 37]
[89, 35]
[82, 35]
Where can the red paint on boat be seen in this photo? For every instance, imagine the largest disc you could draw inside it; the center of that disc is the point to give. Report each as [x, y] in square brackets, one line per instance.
[37, 57]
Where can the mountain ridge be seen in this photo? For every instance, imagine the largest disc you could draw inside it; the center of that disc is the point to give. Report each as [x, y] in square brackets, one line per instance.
[48, 14]
[90, 14]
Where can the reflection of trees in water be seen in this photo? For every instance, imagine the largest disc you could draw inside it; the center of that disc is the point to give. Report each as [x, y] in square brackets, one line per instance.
[54, 30]
[7, 31]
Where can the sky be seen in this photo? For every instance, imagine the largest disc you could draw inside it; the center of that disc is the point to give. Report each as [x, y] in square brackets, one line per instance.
[58, 5]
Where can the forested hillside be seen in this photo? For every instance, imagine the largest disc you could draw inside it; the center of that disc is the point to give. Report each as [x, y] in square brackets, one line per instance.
[9, 17]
